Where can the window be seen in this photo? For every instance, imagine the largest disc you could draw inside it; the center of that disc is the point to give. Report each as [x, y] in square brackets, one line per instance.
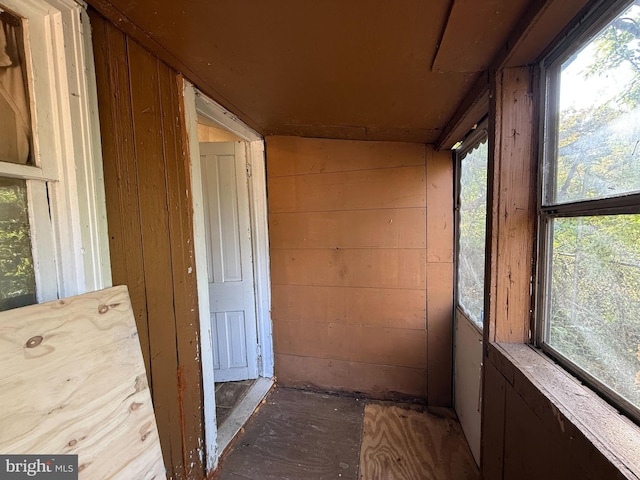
[53, 240]
[472, 213]
[589, 303]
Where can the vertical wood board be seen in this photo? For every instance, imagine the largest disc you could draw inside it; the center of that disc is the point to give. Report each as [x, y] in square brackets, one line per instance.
[493, 418]
[90, 397]
[512, 207]
[121, 184]
[146, 107]
[439, 175]
[440, 332]
[151, 234]
[183, 270]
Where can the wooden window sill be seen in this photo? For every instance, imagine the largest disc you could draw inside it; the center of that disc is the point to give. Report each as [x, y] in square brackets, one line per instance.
[578, 410]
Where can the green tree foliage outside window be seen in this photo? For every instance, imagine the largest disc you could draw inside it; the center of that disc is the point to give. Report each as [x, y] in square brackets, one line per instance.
[17, 280]
[472, 230]
[594, 308]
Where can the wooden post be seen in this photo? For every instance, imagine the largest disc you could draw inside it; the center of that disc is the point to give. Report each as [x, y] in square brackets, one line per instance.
[512, 211]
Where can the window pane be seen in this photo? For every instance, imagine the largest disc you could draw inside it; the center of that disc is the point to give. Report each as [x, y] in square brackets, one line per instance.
[17, 280]
[598, 138]
[15, 118]
[595, 298]
[473, 213]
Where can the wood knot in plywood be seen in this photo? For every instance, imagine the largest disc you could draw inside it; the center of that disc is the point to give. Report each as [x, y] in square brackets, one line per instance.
[145, 431]
[33, 342]
[135, 406]
[102, 309]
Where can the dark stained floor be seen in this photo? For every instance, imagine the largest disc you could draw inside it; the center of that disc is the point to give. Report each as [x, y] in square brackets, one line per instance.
[300, 435]
[228, 395]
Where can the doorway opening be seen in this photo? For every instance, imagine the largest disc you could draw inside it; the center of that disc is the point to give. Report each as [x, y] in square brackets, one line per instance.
[228, 184]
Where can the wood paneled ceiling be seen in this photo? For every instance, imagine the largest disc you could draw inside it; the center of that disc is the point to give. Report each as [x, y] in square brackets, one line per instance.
[371, 70]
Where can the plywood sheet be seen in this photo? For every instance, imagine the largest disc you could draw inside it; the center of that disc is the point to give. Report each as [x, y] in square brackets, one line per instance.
[380, 268]
[385, 228]
[299, 156]
[376, 381]
[398, 443]
[73, 382]
[382, 307]
[360, 190]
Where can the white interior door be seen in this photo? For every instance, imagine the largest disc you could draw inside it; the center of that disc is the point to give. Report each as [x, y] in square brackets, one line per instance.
[229, 261]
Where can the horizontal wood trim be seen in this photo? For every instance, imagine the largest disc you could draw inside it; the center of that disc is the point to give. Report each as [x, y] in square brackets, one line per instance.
[301, 156]
[355, 343]
[383, 268]
[388, 228]
[376, 381]
[368, 189]
[377, 307]
[473, 107]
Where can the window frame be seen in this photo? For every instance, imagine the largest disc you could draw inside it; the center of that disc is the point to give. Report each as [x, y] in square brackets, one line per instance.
[65, 186]
[591, 23]
[472, 141]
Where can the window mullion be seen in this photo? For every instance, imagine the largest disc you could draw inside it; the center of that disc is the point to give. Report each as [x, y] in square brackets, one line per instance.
[43, 241]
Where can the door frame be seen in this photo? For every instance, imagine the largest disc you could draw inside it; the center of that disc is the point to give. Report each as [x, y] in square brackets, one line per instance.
[196, 102]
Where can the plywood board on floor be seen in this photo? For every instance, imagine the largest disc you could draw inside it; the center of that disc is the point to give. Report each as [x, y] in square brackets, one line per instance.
[298, 435]
[73, 382]
[399, 444]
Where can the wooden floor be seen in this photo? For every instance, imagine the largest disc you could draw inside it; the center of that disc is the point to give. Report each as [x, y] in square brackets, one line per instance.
[303, 435]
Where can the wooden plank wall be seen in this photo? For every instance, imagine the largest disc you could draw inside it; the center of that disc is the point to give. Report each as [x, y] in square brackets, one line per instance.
[150, 231]
[351, 262]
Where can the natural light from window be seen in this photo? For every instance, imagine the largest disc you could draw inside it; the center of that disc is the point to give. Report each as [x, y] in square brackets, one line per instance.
[472, 230]
[590, 209]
